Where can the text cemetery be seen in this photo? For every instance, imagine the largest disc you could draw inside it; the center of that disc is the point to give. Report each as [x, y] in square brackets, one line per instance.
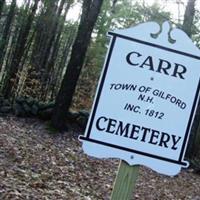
[139, 133]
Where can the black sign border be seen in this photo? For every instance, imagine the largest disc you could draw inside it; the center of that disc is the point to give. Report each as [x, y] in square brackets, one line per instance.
[87, 137]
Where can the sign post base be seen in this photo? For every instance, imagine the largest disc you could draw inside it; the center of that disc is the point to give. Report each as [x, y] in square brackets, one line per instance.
[125, 181]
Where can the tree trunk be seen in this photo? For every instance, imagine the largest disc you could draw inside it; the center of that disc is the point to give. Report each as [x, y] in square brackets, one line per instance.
[61, 65]
[1, 6]
[21, 79]
[19, 51]
[196, 147]
[51, 36]
[90, 12]
[44, 37]
[52, 47]
[189, 17]
[194, 141]
[6, 32]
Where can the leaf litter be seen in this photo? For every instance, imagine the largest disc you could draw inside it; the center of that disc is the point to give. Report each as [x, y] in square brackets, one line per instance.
[36, 164]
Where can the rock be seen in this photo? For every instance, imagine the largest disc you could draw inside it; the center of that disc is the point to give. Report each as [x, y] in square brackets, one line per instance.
[83, 118]
[41, 105]
[20, 100]
[30, 101]
[27, 108]
[1, 100]
[84, 113]
[18, 110]
[34, 109]
[6, 102]
[72, 116]
[44, 106]
[5, 109]
[51, 105]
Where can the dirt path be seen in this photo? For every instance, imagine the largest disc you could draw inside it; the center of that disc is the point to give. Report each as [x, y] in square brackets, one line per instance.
[38, 165]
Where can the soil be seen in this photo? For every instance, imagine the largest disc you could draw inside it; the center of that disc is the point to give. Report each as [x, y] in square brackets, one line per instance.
[37, 163]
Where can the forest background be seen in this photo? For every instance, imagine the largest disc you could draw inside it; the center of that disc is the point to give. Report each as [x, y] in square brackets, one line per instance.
[49, 60]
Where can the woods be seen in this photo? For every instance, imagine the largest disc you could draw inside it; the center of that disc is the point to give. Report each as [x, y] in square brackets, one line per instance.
[51, 58]
[47, 58]
[42, 54]
[89, 15]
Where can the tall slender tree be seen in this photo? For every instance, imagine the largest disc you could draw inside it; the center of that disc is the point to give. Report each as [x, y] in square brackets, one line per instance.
[52, 45]
[6, 32]
[1, 6]
[45, 31]
[67, 40]
[19, 51]
[194, 144]
[189, 17]
[90, 12]
[50, 78]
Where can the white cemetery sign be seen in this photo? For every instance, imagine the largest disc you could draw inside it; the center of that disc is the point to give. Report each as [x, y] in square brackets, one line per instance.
[146, 98]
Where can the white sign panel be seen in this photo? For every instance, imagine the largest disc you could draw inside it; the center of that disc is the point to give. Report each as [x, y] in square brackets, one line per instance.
[146, 99]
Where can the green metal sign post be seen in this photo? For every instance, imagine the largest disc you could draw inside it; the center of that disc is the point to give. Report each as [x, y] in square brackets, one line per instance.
[125, 181]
